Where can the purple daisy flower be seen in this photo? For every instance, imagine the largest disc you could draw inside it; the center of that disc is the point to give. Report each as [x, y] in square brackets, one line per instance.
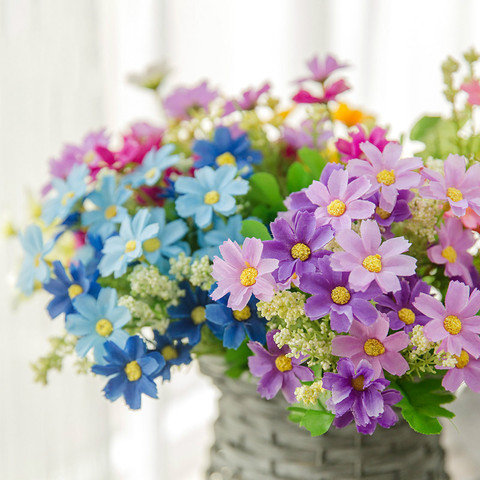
[399, 213]
[277, 371]
[360, 396]
[368, 261]
[322, 69]
[338, 202]
[373, 343]
[399, 305]
[332, 295]
[297, 245]
[387, 173]
[456, 324]
[248, 101]
[466, 370]
[451, 251]
[460, 188]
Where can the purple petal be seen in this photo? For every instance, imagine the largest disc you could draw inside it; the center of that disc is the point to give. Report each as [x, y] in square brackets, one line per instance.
[270, 384]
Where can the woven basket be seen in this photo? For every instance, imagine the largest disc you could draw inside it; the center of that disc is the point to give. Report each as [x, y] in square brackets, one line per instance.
[254, 440]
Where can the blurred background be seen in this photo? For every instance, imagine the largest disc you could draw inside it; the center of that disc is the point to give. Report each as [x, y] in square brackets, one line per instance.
[63, 69]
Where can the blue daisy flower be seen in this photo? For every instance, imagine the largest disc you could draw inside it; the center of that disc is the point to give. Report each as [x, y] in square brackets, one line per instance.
[90, 254]
[190, 315]
[98, 320]
[126, 247]
[166, 243]
[210, 190]
[34, 266]
[109, 201]
[131, 370]
[65, 288]
[237, 324]
[69, 191]
[173, 351]
[226, 150]
[152, 167]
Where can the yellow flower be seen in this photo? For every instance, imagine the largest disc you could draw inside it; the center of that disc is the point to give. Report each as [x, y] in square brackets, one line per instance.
[348, 116]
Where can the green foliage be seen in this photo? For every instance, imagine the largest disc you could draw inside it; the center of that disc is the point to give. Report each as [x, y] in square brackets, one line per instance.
[313, 161]
[237, 360]
[298, 177]
[316, 419]
[265, 194]
[422, 403]
[252, 228]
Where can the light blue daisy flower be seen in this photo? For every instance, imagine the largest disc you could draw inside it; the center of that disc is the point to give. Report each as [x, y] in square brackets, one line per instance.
[69, 191]
[97, 321]
[166, 243]
[34, 266]
[124, 248]
[211, 190]
[152, 167]
[109, 201]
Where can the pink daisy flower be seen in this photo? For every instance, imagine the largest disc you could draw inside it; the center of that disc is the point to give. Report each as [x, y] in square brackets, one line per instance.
[351, 149]
[458, 186]
[373, 343]
[466, 370]
[243, 272]
[368, 260]
[386, 171]
[455, 324]
[473, 89]
[322, 69]
[451, 250]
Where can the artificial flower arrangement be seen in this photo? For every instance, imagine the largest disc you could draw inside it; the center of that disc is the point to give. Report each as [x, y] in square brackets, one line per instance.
[314, 258]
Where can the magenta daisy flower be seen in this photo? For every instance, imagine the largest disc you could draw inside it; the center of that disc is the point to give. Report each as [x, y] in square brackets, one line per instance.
[373, 343]
[451, 250]
[243, 272]
[458, 186]
[338, 202]
[368, 261]
[456, 324]
[466, 370]
[321, 69]
[351, 149]
[387, 173]
[277, 371]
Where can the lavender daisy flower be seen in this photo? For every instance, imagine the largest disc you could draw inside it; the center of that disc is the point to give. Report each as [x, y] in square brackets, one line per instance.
[460, 188]
[387, 173]
[399, 213]
[368, 261]
[308, 135]
[456, 324]
[297, 246]
[360, 396]
[332, 295]
[277, 371]
[248, 101]
[321, 69]
[338, 202]
[466, 370]
[454, 241]
[399, 305]
[373, 343]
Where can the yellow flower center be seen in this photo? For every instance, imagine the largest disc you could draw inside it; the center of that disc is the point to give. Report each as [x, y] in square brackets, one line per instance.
[36, 260]
[133, 371]
[169, 353]
[301, 251]
[226, 159]
[373, 347]
[283, 363]
[130, 246]
[450, 254]
[111, 212]
[104, 327]
[406, 315]
[336, 208]
[211, 197]
[387, 177]
[152, 245]
[452, 324]
[67, 197]
[241, 315]
[74, 290]
[151, 173]
[462, 360]
[383, 214]
[248, 277]
[373, 263]
[358, 383]
[340, 295]
[89, 157]
[454, 194]
[198, 315]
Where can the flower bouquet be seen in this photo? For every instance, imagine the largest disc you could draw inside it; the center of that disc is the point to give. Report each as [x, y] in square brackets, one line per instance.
[295, 242]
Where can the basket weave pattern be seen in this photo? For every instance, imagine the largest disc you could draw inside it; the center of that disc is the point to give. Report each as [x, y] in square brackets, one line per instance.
[254, 440]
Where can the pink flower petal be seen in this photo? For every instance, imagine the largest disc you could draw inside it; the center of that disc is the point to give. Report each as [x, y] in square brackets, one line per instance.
[394, 363]
[430, 306]
[434, 330]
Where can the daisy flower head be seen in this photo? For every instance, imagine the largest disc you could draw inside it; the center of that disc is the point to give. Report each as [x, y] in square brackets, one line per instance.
[466, 370]
[351, 149]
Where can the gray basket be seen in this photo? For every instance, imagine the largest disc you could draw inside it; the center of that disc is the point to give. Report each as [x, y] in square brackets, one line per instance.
[254, 440]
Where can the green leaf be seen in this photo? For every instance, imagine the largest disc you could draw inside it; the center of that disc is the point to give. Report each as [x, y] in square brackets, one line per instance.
[252, 228]
[264, 189]
[237, 360]
[317, 422]
[298, 177]
[423, 127]
[313, 160]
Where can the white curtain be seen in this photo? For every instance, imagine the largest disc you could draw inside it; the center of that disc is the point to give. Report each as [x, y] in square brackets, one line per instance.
[62, 73]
